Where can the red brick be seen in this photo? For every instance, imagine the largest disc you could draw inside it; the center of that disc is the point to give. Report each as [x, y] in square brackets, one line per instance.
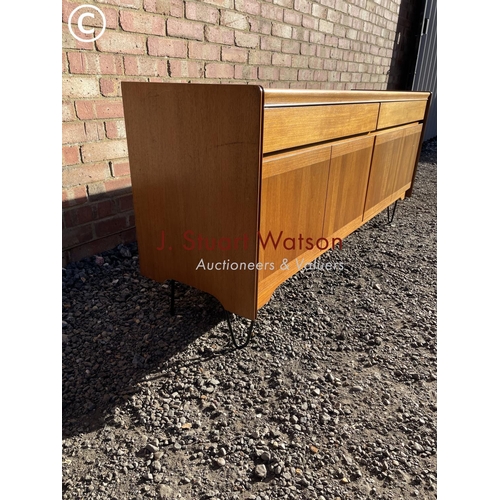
[76, 236]
[78, 216]
[244, 72]
[122, 43]
[145, 66]
[290, 46]
[299, 61]
[83, 62]
[281, 59]
[70, 42]
[186, 69]
[334, 16]
[321, 76]
[97, 191]
[120, 168]
[85, 110]
[310, 22]
[306, 74]
[118, 184]
[331, 41]
[288, 74]
[219, 34]
[167, 47]
[110, 87]
[271, 12]
[104, 150]
[204, 51]
[139, 22]
[270, 43]
[94, 131]
[110, 64]
[74, 196]
[307, 49]
[112, 225]
[317, 38]
[70, 155]
[260, 26]
[303, 6]
[167, 7]
[234, 54]
[125, 203]
[215, 70]
[100, 245]
[84, 174]
[109, 109]
[330, 64]
[248, 40]
[339, 31]
[73, 132]
[248, 6]
[268, 73]
[259, 57]
[292, 17]
[110, 14]
[197, 11]
[315, 63]
[300, 34]
[344, 43]
[115, 130]
[64, 62]
[184, 29]
[133, 4]
[106, 208]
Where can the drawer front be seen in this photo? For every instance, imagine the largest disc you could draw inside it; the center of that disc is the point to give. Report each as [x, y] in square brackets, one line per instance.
[285, 162]
[290, 127]
[399, 113]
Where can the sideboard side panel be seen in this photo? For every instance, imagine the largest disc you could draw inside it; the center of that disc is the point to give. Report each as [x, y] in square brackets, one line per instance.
[195, 160]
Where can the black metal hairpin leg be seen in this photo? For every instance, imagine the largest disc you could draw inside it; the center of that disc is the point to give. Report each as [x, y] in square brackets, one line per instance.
[248, 333]
[172, 297]
[390, 218]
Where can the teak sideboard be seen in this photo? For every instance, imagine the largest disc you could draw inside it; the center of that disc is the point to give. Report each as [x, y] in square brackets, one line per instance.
[215, 166]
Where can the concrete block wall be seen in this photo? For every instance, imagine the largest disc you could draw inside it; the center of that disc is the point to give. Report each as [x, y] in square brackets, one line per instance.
[328, 44]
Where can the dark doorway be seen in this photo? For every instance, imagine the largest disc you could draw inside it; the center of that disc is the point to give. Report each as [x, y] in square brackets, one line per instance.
[405, 50]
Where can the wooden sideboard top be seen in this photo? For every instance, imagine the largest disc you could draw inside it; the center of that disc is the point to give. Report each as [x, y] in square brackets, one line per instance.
[293, 97]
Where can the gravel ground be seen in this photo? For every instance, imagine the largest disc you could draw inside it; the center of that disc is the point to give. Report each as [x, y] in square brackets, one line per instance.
[334, 398]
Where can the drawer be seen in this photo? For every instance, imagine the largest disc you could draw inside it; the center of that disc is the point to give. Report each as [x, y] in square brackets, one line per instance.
[288, 127]
[285, 162]
[399, 113]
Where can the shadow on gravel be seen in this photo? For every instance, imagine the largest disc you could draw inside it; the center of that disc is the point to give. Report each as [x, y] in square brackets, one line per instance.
[117, 331]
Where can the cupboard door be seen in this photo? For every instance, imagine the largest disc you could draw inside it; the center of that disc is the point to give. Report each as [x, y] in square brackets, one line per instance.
[393, 163]
[293, 194]
[349, 171]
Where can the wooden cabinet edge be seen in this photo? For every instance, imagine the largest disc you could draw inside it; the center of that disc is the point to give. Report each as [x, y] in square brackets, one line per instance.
[424, 123]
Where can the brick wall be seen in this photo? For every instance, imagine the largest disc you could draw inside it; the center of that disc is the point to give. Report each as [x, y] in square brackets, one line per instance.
[330, 44]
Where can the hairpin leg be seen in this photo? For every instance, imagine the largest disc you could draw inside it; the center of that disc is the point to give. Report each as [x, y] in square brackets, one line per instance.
[390, 218]
[248, 333]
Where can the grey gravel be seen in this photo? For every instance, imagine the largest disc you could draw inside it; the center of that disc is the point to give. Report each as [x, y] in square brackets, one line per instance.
[334, 398]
